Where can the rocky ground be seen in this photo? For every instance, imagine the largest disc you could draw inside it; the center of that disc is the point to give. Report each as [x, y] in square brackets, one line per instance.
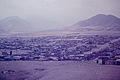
[55, 70]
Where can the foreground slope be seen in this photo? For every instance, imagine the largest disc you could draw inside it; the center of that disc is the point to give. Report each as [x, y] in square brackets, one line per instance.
[57, 71]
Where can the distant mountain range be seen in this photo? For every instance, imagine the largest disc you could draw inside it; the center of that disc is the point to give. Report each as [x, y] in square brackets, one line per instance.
[99, 22]
[14, 24]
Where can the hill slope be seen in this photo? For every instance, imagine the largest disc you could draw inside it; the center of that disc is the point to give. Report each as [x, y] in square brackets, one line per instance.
[99, 22]
[14, 24]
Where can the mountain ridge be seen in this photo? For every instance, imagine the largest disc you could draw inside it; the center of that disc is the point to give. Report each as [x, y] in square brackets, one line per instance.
[100, 20]
[13, 24]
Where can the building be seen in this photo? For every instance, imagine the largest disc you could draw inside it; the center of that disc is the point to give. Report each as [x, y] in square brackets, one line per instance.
[117, 62]
[102, 59]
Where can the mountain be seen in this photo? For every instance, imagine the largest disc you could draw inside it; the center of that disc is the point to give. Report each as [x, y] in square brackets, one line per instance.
[99, 22]
[14, 24]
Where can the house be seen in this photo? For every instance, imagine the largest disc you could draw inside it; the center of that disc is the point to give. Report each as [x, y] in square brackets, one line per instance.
[16, 57]
[36, 58]
[117, 57]
[102, 59]
[5, 53]
[8, 58]
[80, 56]
[1, 58]
[42, 58]
[117, 62]
[110, 62]
[53, 58]
[74, 57]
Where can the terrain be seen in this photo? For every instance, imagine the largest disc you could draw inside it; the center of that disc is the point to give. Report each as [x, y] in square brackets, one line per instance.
[13, 25]
[69, 54]
[99, 22]
[55, 70]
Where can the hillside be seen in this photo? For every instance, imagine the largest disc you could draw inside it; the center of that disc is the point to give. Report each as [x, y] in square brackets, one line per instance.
[99, 22]
[14, 24]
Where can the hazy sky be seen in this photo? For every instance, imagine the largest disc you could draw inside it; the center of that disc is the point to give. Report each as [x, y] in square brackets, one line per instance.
[57, 13]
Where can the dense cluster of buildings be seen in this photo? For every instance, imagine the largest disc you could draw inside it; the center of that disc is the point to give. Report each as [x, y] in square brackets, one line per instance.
[60, 48]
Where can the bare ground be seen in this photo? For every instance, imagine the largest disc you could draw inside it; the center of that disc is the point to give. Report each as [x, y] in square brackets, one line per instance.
[55, 70]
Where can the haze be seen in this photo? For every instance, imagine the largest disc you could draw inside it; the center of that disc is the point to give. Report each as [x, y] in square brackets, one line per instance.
[54, 14]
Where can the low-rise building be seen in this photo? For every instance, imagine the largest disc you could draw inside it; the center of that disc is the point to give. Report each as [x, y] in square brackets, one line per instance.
[117, 62]
[102, 59]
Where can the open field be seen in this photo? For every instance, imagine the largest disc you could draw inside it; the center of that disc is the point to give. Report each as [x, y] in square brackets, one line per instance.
[57, 70]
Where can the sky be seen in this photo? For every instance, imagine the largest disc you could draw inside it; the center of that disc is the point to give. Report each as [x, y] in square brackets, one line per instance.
[50, 14]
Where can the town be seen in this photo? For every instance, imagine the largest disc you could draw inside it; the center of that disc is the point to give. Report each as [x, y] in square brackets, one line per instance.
[103, 49]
